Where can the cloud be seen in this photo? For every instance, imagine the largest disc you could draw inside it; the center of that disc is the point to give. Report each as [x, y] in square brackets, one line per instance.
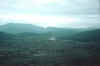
[64, 13]
[51, 6]
[82, 21]
[37, 19]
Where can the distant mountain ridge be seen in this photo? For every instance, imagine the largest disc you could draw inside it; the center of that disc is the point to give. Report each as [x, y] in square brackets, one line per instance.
[91, 35]
[32, 31]
[20, 28]
[28, 30]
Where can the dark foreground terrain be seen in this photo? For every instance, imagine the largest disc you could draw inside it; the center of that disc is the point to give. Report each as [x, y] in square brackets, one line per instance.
[70, 53]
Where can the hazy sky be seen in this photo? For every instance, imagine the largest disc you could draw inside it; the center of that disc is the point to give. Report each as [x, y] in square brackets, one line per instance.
[59, 13]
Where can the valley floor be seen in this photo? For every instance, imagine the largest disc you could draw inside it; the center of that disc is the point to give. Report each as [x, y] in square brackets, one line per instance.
[71, 53]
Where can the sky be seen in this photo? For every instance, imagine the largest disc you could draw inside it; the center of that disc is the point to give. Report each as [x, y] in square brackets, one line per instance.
[55, 13]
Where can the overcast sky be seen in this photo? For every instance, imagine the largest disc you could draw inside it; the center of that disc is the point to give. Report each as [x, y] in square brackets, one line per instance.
[58, 13]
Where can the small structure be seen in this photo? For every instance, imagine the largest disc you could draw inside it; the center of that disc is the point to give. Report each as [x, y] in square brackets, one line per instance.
[52, 38]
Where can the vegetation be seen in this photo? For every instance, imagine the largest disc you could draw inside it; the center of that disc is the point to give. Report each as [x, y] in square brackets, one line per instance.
[71, 46]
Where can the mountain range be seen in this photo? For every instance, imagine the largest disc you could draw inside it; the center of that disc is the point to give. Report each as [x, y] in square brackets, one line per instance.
[20, 28]
[33, 31]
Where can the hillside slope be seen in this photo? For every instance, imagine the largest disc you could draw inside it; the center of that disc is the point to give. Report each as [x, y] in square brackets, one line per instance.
[92, 35]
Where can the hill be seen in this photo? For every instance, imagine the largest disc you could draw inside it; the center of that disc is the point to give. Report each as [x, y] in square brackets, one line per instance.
[20, 28]
[6, 36]
[62, 32]
[33, 31]
[91, 35]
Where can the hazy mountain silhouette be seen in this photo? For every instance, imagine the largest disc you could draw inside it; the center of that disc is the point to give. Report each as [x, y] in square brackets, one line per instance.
[62, 32]
[91, 35]
[27, 30]
[20, 28]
